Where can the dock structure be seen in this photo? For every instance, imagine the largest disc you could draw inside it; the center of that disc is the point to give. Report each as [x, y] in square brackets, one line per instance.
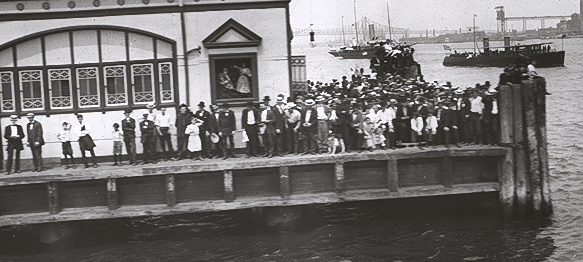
[517, 170]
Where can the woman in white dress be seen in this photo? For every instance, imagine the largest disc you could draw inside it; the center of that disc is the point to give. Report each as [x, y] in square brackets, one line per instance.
[194, 143]
[243, 84]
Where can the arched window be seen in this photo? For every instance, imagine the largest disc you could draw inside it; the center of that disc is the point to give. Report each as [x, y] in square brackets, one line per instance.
[87, 69]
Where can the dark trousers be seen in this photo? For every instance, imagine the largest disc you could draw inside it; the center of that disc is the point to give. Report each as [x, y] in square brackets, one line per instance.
[182, 144]
[475, 128]
[227, 143]
[130, 142]
[166, 142]
[310, 138]
[147, 143]
[292, 140]
[357, 139]
[402, 130]
[206, 144]
[278, 147]
[268, 142]
[92, 152]
[344, 130]
[37, 157]
[492, 130]
[390, 138]
[252, 144]
[11, 153]
[451, 136]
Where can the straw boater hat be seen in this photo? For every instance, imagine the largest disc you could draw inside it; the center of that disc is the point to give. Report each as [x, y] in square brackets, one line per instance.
[29, 115]
[150, 105]
[310, 102]
[320, 99]
[14, 117]
[214, 138]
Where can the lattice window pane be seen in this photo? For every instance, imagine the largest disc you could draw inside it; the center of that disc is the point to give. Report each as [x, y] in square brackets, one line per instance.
[166, 85]
[142, 81]
[7, 85]
[87, 83]
[115, 89]
[31, 88]
[60, 85]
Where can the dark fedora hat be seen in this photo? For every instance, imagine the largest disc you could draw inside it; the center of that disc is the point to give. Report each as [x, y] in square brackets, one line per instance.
[266, 98]
[201, 104]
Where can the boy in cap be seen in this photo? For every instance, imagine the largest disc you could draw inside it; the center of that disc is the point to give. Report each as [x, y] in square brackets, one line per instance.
[34, 131]
[14, 134]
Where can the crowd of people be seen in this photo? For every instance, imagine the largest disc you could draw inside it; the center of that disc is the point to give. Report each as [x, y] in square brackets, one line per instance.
[367, 112]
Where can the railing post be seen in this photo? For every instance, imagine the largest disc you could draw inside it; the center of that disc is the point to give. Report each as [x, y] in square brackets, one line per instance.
[112, 203]
[284, 186]
[170, 191]
[339, 175]
[228, 183]
[53, 196]
[393, 175]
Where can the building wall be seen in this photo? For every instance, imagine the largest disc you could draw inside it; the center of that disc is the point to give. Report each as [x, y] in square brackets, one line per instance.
[272, 62]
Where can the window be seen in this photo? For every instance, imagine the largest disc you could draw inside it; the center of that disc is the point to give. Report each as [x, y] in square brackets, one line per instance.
[115, 85]
[87, 84]
[31, 83]
[142, 81]
[166, 87]
[60, 86]
[7, 85]
[234, 77]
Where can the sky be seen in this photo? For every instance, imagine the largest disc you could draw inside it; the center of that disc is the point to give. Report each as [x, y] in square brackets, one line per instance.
[426, 14]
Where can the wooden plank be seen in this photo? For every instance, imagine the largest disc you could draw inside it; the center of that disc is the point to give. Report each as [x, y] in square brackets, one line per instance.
[246, 203]
[506, 113]
[228, 184]
[520, 180]
[506, 176]
[112, 199]
[53, 197]
[141, 190]
[365, 174]
[199, 187]
[467, 170]
[532, 150]
[170, 191]
[419, 172]
[518, 118]
[188, 167]
[88, 193]
[257, 182]
[284, 186]
[393, 175]
[339, 177]
[446, 171]
[312, 179]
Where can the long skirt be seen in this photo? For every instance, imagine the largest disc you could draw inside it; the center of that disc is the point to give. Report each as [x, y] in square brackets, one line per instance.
[194, 143]
[86, 143]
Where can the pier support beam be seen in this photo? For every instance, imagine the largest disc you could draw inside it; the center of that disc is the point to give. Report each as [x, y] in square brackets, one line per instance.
[541, 117]
[112, 203]
[284, 186]
[533, 167]
[339, 174]
[520, 181]
[393, 175]
[53, 196]
[228, 183]
[506, 179]
[170, 191]
[446, 171]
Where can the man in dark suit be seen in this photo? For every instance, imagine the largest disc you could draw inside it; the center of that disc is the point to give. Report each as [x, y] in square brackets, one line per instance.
[227, 126]
[449, 124]
[309, 127]
[213, 131]
[203, 115]
[250, 122]
[268, 121]
[279, 125]
[128, 125]
[357, 134]
[14, 134]
[343, 114]
[182, 121]
[34, 131]
[403, 122]
[147, 129]
[491, 121]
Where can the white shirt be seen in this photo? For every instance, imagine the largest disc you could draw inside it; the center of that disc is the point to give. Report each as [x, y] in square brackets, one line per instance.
[494, 107]
[163, 120]
[476, 105]
[13, 130]
[251, 117]
[431, 124]
[321, 113]
[308, 114]
[264, 115]
[117, 136]
[152, 116]
[417, 124]
[84, 132]
[374, 117]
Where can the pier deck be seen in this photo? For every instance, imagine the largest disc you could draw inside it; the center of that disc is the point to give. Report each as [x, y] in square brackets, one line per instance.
[215, 185]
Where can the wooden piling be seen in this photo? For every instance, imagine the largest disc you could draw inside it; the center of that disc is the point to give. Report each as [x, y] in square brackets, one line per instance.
[506, 179]
[541, 117]
[112, 202]
[284, 185]
[228, 184]
[339, 175]
[393, 175]
[533, 167]
[520, 179]
[53, 196]
[506, 113]
[170, 191]
[446, 171]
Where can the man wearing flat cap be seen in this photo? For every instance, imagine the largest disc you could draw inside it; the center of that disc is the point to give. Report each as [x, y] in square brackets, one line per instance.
[14, 134]
[128, 125]
[34, 131]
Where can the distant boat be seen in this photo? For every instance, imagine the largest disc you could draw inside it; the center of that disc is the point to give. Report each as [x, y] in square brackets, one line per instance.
[542, 53]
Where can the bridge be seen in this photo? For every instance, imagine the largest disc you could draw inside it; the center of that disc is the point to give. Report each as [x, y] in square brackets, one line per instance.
[503, 19]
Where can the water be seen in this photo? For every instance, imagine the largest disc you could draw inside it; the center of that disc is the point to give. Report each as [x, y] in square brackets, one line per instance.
[441, 229]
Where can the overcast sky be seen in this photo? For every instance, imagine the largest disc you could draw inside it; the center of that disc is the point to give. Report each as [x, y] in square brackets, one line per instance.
[426, 14]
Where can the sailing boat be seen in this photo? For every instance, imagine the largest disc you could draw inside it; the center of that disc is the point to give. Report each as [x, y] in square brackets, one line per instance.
[357, 50]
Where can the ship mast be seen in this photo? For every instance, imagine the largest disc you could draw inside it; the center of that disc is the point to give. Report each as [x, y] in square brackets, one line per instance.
[475, 34]
[389, 17]
[343, 38]
[355, 23]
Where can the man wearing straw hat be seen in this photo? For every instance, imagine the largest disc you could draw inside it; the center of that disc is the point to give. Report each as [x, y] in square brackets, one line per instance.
[14, 134]
[34, 131]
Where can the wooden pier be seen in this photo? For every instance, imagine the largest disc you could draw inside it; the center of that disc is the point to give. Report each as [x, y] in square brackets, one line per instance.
[517, 170]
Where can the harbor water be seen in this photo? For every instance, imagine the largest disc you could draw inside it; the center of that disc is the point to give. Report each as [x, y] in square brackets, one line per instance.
[467, 228]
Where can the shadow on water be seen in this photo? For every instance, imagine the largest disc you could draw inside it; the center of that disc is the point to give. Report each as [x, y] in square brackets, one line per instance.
[449, 228]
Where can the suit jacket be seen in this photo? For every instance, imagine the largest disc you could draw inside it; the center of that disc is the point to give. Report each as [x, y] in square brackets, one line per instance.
[35, 134]
[245, 117]
[449, 118]
[182, 121]
[226, 122]
[213, 126]
[205, 117]
[279, 118]
[311, 119]
[401, 113]
[129, 128]
[488, 106]
[14, 142]
[343, 114]
[270, 121]
[147, 128]
[357, 122]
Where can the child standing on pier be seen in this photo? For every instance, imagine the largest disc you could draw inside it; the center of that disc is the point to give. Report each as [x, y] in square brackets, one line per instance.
[194, 142]
[65, 137]
[117, 137]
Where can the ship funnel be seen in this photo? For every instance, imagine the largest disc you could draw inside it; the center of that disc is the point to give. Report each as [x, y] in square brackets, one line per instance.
[486, 42]
[507, 43]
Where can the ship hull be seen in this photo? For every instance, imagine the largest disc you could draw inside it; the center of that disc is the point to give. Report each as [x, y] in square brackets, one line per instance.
[353, 54]
[551, 59]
